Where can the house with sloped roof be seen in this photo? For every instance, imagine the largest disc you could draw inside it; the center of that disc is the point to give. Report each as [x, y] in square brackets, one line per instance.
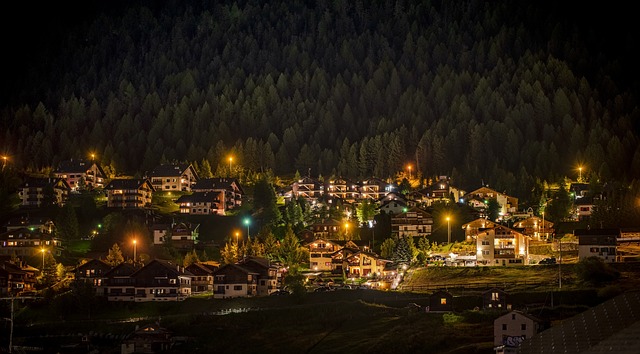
[182, 235]
[29, 244]
[601, 243]
[308, 188]
[536, 227]
[92, 272]
[479, 198]
[81, 173]
[610, 327]
[160, 281]
[513, 328]
[16, 278]
[129, 193]
[41, 192]
[234, 280]
[202, 279]
[472, 228]
[269, 274]
[173, 177]
[230, 189]
[202, 203]
[117, 284]
[413, 222]
[501, 245]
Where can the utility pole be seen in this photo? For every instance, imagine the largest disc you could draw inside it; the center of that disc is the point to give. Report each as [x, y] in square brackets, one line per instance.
[12, 298]
[559, 263]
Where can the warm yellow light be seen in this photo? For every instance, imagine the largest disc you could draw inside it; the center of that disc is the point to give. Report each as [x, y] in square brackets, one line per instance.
[448, 218]
[230, 159]
[42, 250]
[134, 242]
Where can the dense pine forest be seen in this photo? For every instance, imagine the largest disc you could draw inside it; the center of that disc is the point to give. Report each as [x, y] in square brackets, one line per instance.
[500, 92]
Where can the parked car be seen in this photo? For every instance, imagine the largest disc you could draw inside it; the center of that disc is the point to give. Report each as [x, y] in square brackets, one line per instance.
[551, 260]
[280, 292]
[323, 289]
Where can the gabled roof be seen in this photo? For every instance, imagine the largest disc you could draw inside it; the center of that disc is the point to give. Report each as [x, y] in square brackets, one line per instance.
[217, 184]
[121, 270]
[170, 170]
[199, 197]
[612, 327]
[479, 222]
[201, 269]
[42, 182]
[76, 166]
[523, 314]
[94, 263]
[159, 268]
[412, 210]
[127, 183]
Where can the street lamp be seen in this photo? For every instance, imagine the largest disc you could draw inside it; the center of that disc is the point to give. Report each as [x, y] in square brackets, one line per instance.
[42, 250]
[230, 160]
[346, 229]
[4, 161]
[545, 236]
[580, 174]
[409, 167]
[134, 249]
[237, 237]
[247, 222]
[448, 230]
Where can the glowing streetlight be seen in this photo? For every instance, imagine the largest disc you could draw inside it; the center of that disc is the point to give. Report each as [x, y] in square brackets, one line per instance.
[93, 157]
[346, 228]
[4, 161]
[247, 222]
[448, 230]
[580, 174]
[545, 236]
[409, 167]
[237, 237]
[42, 251]
[230, 161]
[134, 249]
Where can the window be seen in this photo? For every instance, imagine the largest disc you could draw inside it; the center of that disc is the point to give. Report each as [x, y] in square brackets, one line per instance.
[443, 301]
[485, 243]
[594, 250]
[495, 296]
[485, 252]
[237, 287]
[523, 326]
[504, 326]
[513, 316]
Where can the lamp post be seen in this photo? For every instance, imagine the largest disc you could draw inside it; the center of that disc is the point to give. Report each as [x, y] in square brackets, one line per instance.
[134, 250]
[42, 251]
[580, 174]
[247, 222]
[545, 236]
[409, 167]
[346, 229]
[4, 161]
[448, 230]
[230, 161]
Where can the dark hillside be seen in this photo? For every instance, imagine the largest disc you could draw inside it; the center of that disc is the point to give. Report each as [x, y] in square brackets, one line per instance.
[501, 92]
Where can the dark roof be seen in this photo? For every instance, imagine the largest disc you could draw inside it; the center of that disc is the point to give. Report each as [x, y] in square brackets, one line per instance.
[121, 270]
[167, 170]
[199, 197]
[612, 327]
[41, 182]
[127, 184]
[216, 184]
[596, 232]
[74, 166]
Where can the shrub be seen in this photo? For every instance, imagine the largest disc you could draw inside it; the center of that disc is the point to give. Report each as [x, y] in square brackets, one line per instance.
[593, 270]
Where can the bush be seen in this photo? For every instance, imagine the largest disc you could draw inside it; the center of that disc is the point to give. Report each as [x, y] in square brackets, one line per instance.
[592, 270]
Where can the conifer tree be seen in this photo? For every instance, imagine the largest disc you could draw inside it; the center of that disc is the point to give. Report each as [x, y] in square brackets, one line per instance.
[115, 256]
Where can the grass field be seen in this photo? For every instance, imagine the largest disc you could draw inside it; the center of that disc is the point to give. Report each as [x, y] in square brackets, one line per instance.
[345, 321]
